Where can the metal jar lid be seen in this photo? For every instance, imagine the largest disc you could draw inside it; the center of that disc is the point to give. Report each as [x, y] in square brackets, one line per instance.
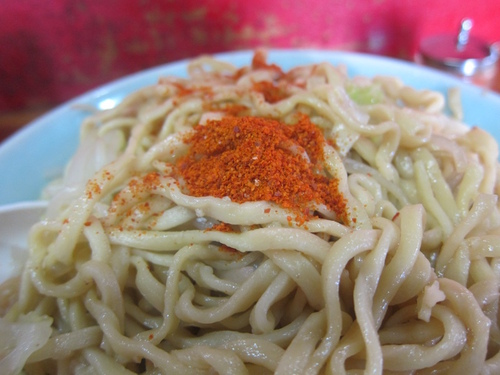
[460, 54]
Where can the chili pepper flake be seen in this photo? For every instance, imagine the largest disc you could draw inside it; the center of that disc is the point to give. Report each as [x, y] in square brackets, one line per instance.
[272, 92]
[255, 158]
[221, 227]
[230, 250]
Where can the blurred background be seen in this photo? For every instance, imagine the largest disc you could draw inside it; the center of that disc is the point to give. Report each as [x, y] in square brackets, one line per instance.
[53, 50]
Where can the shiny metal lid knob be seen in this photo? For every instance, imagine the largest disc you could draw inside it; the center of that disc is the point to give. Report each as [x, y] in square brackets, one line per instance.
[461, 54]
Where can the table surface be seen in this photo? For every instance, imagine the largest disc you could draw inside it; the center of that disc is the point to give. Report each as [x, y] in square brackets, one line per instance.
[12, 121]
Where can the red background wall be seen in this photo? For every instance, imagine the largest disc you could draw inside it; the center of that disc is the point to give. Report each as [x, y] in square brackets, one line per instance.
[53, 50]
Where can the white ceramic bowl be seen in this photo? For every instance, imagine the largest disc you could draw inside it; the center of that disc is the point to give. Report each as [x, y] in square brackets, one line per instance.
[16, 220]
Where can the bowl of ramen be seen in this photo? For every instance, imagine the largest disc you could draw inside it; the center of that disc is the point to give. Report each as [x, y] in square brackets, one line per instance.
[259, 212]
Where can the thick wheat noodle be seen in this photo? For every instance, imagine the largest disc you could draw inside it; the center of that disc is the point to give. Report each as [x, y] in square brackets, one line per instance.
[407, 282]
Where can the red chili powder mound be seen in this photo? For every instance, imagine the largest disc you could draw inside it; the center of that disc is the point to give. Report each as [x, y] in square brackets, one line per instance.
[255, 158]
